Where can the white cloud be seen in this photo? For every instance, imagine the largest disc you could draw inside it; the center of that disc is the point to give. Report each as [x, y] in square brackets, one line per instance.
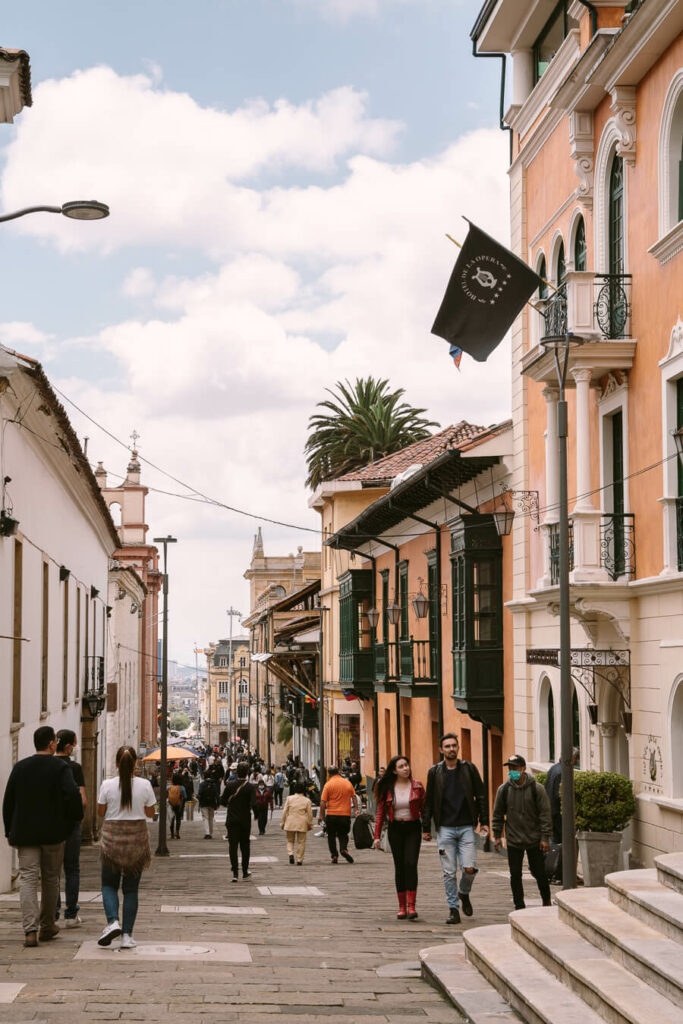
[312, 283]
[344, 10]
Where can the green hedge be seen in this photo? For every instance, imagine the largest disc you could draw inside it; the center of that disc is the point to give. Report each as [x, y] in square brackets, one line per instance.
[541, 777]
[604, 801]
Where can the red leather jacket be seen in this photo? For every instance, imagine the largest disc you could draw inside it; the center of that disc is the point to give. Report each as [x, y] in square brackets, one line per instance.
[385, 808]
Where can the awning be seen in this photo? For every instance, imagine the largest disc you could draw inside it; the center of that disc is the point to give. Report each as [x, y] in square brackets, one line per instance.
[439, 478]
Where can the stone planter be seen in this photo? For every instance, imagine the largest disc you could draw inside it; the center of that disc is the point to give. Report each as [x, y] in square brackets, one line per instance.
[600, 855]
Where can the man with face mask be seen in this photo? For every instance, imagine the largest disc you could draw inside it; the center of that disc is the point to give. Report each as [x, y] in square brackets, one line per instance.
[522, 808]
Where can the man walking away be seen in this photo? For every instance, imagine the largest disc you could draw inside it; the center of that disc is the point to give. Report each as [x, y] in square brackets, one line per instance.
[457, 803]
[552, 788]
[278, 786]
[66, 744]
[240, 799]
[208, 802]
[523, 809]
[337, 800]
[41, 806]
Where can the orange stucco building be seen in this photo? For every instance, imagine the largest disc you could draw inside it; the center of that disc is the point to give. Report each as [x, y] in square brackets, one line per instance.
[596, 125]
[418, 626]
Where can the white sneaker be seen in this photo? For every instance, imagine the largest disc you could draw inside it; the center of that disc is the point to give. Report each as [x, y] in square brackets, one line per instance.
[73, 922]
[128, 942]
[111, 932]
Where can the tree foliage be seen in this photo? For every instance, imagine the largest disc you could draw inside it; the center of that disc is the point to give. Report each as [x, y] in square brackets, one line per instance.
[359, 424]
[284, 730]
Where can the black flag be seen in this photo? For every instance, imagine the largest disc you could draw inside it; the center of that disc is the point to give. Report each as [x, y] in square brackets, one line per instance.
[488, 288]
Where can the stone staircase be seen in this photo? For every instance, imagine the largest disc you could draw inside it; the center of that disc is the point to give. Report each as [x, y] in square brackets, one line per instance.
[610, 954]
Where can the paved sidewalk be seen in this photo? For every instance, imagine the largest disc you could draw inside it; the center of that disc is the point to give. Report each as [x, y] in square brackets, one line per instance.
[286, 957]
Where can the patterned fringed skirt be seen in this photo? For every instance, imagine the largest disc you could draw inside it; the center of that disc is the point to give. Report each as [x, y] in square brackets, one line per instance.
[124, 846]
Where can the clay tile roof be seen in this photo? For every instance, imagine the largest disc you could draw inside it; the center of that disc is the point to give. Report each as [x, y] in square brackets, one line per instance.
[455, 437]
[8, 56]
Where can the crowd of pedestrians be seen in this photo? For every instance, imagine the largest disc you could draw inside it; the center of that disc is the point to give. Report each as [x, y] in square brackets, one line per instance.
[45, 799]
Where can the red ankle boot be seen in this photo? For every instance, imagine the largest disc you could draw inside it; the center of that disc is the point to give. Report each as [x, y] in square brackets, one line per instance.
[401, 905]
[412, 912]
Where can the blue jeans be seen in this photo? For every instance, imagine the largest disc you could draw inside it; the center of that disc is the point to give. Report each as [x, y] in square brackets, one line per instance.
[456, 844]
[72, 873]
[111, 879]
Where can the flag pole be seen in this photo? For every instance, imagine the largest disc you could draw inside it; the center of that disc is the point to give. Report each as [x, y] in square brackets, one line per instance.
[548, 283]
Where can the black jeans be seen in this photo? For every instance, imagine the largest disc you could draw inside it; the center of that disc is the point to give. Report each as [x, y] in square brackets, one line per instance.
[72, 873]
[176, 814]
[238, 838]
[338, 828]
[277, 795]
[536, 867]
[557, 828]
[404, 839]
[261, 815]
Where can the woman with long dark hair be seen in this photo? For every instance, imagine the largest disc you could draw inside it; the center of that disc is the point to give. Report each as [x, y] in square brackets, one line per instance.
[125, 802]
[400, 801]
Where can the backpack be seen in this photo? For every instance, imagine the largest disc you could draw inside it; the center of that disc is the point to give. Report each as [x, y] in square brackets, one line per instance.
[175, 797]
[362, 832]
[553, 864]
[208, 797]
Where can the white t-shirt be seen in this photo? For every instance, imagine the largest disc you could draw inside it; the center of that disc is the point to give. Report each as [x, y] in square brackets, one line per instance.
[110, 794]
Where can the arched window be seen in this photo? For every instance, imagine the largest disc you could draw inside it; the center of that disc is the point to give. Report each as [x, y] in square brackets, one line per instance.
[580, 246]
[542, 272]
[546, 715]
[671, 166]
[677, 741]
[616, 216]
[561, 268]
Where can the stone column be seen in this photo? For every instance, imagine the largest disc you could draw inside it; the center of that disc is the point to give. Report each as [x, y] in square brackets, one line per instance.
[552, 480]
[583, 453]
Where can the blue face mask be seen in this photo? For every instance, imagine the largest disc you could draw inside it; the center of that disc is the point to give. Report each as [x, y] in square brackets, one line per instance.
[514, 775]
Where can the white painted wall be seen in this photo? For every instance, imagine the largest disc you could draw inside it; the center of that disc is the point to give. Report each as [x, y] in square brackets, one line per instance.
[123, 666]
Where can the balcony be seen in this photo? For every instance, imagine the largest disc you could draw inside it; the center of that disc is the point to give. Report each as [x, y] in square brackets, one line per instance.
[593, 307]
[356, 671]
[617, 555]
[409, 666]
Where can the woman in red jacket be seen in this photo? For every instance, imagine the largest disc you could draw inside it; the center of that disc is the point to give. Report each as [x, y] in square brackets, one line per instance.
[400, 801]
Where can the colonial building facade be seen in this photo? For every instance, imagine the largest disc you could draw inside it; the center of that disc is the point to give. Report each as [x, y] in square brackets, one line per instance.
[56, 539]
[225, 697]
[421, 624]
[596, 191]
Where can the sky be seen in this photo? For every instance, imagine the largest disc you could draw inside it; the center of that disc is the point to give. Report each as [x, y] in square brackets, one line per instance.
[281, 175]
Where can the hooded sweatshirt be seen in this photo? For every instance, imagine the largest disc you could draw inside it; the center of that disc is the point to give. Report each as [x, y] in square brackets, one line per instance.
[524, 811]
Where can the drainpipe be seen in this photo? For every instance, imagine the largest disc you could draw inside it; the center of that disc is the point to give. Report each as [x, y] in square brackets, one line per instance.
[503, 58]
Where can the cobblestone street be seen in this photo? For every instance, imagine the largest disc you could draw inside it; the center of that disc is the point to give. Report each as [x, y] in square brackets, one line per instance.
[303, 958]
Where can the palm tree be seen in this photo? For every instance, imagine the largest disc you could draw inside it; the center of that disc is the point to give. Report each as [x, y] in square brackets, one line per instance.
[362, 423]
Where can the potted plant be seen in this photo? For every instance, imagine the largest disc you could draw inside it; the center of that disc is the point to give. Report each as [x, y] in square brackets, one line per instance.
[604, 804]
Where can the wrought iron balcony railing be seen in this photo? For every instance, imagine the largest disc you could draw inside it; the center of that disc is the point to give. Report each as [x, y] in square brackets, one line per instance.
[555, 314]
[589, 305]
[554, 542]
[618, 544]
[679, 532]
[612, 308]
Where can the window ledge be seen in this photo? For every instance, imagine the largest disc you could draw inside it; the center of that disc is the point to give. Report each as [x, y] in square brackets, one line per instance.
[44, 715]
[668, 803]
[669, 245]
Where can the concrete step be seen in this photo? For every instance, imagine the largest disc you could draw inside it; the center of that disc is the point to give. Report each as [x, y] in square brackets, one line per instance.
[613, 992]
[446, 968]
[529, 988]
[670, 870]
[642, 950]
[643, 896]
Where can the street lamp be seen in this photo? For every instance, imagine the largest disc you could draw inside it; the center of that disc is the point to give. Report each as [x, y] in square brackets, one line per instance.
[393, 613]
[373, 617]
[80, 209]
[560, 346]
[162, 848]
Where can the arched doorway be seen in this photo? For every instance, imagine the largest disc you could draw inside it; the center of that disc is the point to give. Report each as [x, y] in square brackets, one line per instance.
[676, 733]
[546, 721]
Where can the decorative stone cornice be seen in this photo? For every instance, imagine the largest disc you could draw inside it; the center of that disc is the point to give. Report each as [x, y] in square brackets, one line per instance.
[581, 151]
[675, 342]
[624, 108]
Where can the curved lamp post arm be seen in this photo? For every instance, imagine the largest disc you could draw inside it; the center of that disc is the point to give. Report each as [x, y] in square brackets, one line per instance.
[77, 210]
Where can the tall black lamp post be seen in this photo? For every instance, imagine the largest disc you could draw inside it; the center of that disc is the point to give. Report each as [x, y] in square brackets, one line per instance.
[560, 346]
[162, 848]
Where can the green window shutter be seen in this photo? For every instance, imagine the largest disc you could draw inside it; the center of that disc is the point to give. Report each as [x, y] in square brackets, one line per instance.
[403, 599]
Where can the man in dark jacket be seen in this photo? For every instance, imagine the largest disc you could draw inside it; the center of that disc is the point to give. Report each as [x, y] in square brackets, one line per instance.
[239, 797]
[457, 803]
[41, 806]
[553, 782]
[208, 802]
[523, 809]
